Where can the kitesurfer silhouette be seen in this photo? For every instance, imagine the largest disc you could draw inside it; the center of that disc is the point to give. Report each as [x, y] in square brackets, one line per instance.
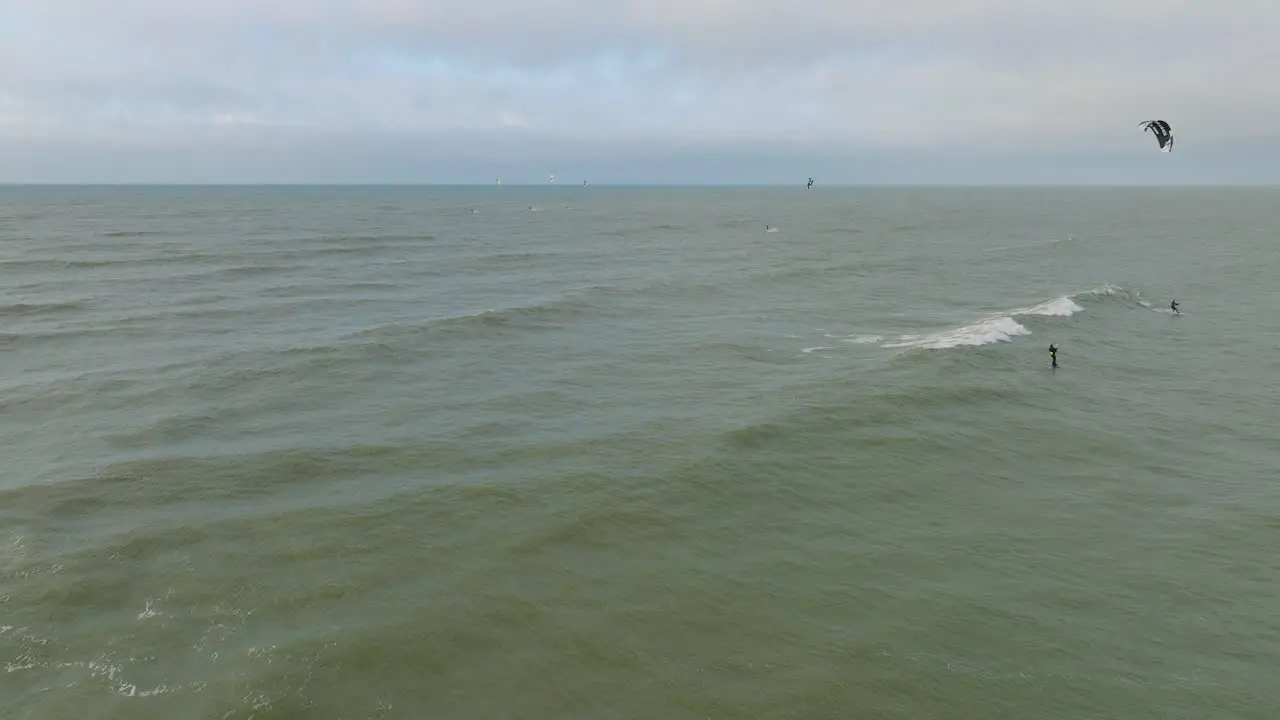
[1053, 354]
[1174, 307]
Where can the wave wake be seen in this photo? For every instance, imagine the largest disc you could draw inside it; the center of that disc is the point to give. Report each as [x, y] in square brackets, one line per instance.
[22, 308]
[991, 330]
[1003, 327]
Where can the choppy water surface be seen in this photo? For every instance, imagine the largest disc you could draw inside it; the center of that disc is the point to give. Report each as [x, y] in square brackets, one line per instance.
[607, 453]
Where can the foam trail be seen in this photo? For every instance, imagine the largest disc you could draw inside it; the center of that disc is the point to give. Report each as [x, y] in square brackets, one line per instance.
[1109, 290]
[999, 329]
[1133, 296]
[1061, 307]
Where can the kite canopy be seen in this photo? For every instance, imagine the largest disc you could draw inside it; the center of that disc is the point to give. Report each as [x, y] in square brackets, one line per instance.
[1162, 131]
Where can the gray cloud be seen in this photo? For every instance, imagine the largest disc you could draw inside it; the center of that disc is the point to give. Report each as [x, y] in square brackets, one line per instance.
[893, 78]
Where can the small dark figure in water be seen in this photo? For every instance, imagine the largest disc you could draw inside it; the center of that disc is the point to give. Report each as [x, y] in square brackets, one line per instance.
[1053, 354]
[1174, 307]
[810, 185]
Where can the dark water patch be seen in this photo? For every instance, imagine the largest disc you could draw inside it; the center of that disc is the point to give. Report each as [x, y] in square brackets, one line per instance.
[624, 231]
[80, 338]
[320, 289]
[254, 270]
[815, 269]
[742, 351]
[399, 239]
[523, 258]
[283, 377]
[550, 315]
[690, 285]
[77, 393]
[54, 265]
[199, 319]
[841, 231]
[136, 233]
[35, 309]
[358, 250]
[203, 299]
[221, 485]
[284, 258]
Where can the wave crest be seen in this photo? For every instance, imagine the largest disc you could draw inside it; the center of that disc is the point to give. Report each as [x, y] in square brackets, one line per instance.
[1003, 327]
[998, 329]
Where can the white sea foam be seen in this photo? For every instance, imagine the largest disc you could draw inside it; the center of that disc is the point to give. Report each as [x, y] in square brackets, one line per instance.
[1114, 291]
[1109, 290]
[996, 328]
[985, 332]
[1061, 307]
[149, 611]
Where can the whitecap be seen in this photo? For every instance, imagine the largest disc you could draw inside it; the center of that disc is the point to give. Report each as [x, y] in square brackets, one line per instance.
[985, 332]
[1060, 307]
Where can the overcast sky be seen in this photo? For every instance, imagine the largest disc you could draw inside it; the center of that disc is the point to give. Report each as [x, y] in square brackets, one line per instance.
[638, 91]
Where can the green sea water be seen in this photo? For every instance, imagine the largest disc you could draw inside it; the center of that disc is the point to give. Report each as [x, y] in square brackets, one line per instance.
[588, 452]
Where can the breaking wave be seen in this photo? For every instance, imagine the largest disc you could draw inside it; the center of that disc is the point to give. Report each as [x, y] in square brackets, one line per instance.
[1002, 327]
[998, 329]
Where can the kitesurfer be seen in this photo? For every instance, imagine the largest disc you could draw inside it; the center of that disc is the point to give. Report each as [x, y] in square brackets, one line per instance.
[810, 185]
[1053, 354]
[1174, 307]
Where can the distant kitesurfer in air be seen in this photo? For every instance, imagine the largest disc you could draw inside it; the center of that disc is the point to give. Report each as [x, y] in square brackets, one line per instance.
[1174, 307]
[1053, 354]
